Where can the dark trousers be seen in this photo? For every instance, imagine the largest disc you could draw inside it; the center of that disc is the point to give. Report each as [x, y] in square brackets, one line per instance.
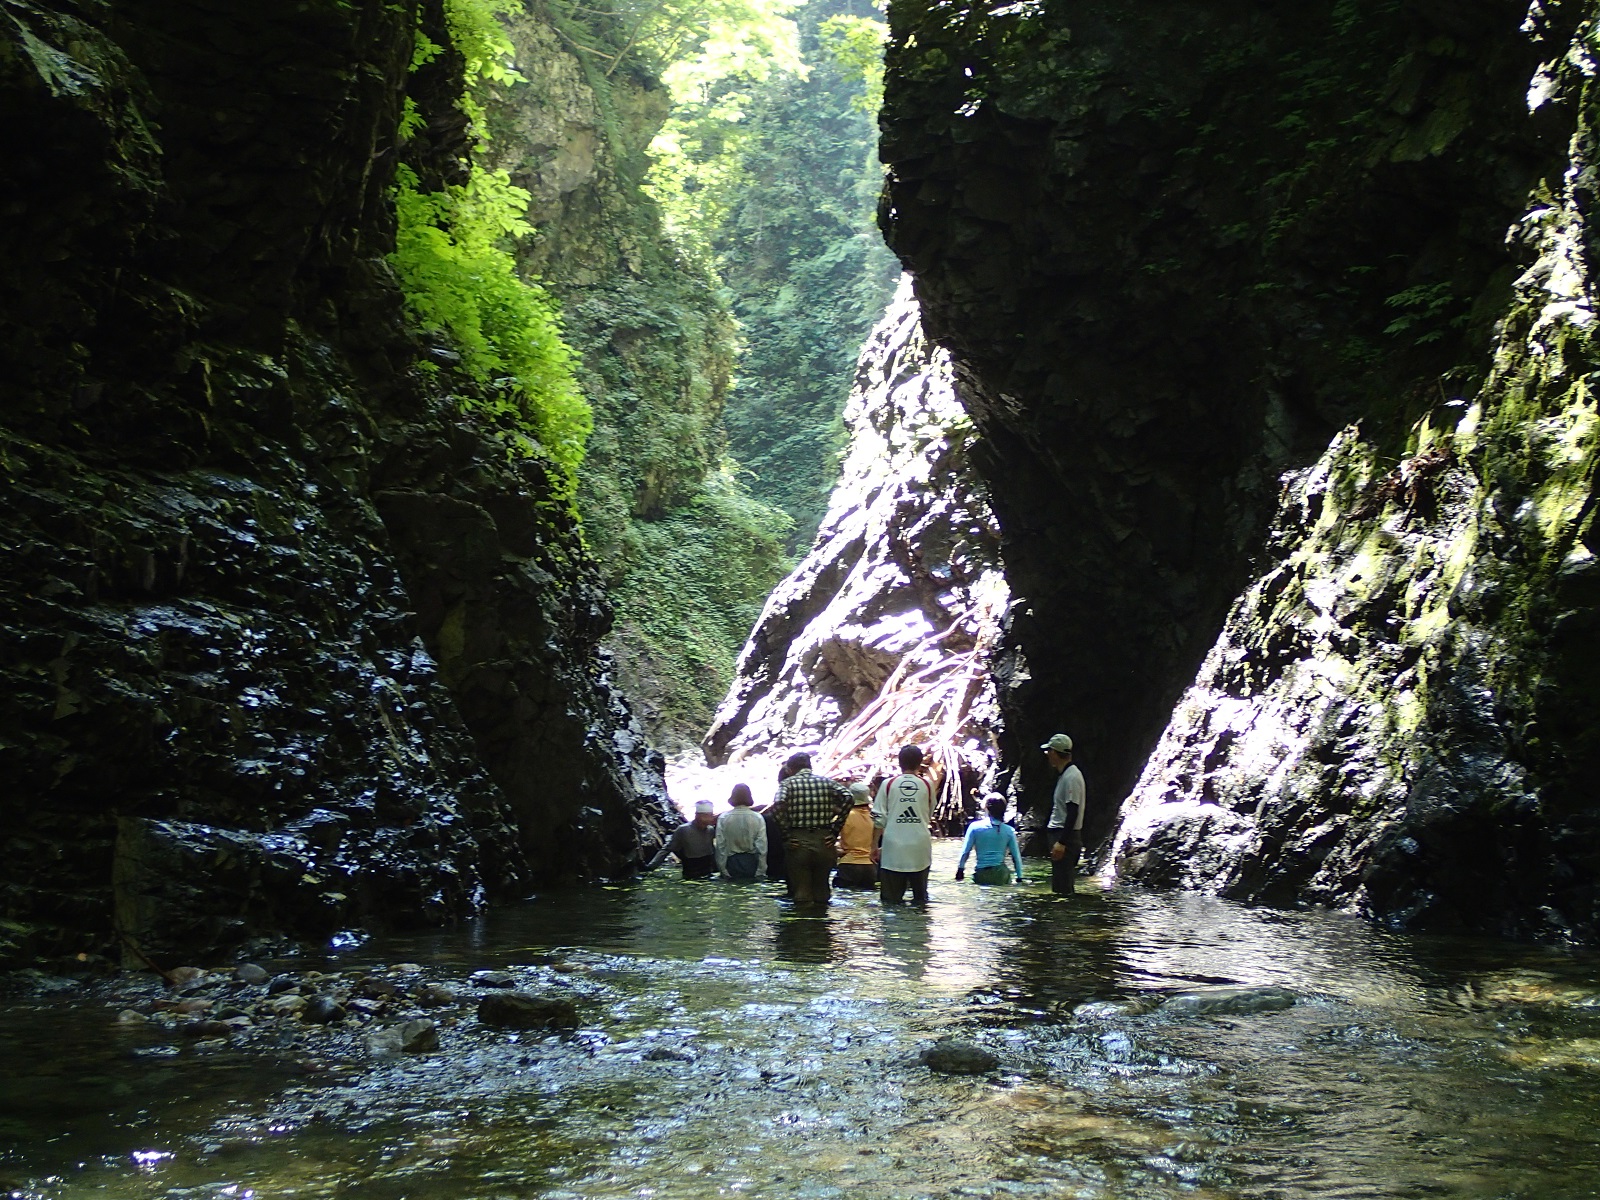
[892, 886]
[811, 854]
[703, 867]
[742, 866]
[1065, 869]
[860, 876]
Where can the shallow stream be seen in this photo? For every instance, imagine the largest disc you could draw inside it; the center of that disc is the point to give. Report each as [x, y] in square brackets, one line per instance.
[731, 1048]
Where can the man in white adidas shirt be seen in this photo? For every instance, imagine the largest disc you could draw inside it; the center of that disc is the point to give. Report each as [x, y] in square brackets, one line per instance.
[901, 812]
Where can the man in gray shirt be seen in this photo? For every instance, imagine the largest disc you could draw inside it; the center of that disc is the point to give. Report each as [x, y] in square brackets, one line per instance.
[694, 842]
[1066, 814]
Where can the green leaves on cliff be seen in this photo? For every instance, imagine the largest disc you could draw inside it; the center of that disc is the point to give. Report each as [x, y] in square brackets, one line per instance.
[454, 254]
[856, 45]
[698, 175]
[460, 279]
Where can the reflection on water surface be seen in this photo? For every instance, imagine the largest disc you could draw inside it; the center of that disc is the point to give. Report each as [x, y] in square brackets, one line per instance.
[733, 1049]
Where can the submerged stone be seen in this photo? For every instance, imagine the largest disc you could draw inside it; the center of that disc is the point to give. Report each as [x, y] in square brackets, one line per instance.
[1225, 1001]
[519, 1010]
[950, 1057]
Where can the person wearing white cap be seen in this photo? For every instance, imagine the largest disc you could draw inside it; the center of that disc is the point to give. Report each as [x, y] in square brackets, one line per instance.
[856, 868]
[694, 842]
[1066, 814]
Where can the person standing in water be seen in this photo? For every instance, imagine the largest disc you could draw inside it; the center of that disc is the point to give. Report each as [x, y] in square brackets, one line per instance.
[811, 809]
[694, 842]
[856, 869]
[993, 841]
[901, 811]
[1066, 814]
[741, 838]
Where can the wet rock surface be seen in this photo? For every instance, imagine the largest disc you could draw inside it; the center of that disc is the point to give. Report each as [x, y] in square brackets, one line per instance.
[291, 649]
[1158, 304]
[903, 582]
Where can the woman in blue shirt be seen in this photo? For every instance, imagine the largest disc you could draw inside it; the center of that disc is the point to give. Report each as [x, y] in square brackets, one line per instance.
[992, 840]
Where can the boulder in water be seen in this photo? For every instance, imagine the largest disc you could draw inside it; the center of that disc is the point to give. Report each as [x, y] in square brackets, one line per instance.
[1226, 1001]
[667, 1054]
[950, 1057]
[519, 1010]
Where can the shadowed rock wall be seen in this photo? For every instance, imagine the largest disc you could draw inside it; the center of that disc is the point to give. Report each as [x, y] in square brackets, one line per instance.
[290, 647]
[1173, 248]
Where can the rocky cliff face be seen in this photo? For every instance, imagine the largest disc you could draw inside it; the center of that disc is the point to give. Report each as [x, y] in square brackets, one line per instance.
[883, 633]
[291, 647]
[1174, 250]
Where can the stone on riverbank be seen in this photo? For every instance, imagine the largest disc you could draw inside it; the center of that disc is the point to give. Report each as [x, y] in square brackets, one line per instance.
[518, 1010]
[250, 973]
[492, 979]
[950, 1057]
[1226, 1001]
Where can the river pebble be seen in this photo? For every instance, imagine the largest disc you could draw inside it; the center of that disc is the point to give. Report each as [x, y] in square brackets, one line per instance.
[323, 1010]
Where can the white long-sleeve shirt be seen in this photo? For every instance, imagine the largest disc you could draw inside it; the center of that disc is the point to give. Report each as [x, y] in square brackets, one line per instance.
[901, 809]
[741, 830]
[1069, 792]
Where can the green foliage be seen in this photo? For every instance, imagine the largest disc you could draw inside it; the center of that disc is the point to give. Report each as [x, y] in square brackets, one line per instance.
[460, 279]
[807, 270]
[698, 170]
[856, 45]
[1428, 312]
[699, 577]
[455, 257]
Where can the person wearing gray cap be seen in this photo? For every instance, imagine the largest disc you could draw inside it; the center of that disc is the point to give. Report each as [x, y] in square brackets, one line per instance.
[1066, 814]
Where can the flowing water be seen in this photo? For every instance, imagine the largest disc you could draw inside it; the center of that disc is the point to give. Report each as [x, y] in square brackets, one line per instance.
[731, 1048]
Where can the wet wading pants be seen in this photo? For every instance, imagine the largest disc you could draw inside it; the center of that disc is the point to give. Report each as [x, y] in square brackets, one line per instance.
[862, 876]
[1065, 870]
[892, 886]
[811, 855]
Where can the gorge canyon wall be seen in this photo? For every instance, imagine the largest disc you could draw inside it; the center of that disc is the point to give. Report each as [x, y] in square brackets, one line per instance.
[1229, 292]
[292, 647]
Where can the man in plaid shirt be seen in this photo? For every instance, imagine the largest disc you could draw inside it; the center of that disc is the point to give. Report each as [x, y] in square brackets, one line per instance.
[811, 809]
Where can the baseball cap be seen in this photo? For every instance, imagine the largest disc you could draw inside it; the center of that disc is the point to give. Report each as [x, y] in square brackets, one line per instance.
[1059, 742]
